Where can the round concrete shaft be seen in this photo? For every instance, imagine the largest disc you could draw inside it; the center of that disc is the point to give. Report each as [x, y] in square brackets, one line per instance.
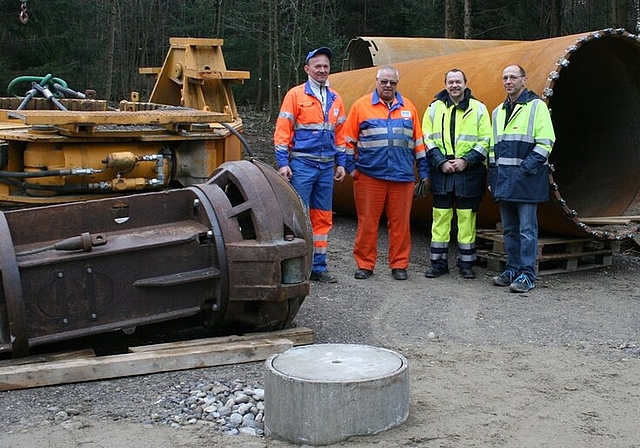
[322, 394]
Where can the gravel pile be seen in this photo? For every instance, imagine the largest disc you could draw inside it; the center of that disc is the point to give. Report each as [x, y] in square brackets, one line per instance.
[232, 408]
[226, 400]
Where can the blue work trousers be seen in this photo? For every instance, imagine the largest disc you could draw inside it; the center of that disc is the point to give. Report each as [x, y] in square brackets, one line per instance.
[314, 184]
[520, 222]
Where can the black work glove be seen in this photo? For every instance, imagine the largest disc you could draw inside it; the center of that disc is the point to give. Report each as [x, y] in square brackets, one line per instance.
[421, 189]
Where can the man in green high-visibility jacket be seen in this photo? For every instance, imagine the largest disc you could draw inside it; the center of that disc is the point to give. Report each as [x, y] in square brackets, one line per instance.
[457, 132]
[522, 140]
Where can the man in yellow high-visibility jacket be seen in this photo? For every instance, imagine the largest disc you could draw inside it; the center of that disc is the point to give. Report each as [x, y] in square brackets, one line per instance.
[457, 132]
[522, 140]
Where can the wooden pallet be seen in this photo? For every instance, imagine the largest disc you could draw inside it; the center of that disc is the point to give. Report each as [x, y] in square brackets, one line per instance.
[556, 254]
[84, 365]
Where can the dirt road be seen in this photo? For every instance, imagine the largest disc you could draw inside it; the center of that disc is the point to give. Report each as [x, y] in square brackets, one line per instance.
[556, 367]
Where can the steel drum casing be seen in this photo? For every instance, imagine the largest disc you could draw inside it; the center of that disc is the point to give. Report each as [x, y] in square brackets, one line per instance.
[236, 249]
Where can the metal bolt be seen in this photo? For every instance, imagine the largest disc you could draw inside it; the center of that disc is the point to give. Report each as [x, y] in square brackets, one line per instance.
[65, 321]
[209, 233]
[94, 316]
[89, 270]
[196, 202]
[60, 274]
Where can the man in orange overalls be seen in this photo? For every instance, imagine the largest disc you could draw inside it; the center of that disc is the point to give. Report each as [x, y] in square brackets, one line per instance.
[384, 144]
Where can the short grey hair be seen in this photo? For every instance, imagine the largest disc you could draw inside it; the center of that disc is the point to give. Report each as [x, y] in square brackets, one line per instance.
[388, 68]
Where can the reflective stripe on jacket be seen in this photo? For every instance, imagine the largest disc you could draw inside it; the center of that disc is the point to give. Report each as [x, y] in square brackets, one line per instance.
[471, 128]
[520, 148]
[304, 130]
[385, 143]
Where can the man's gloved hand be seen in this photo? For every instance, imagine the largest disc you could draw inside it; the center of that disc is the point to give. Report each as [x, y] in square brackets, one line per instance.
[421, 188]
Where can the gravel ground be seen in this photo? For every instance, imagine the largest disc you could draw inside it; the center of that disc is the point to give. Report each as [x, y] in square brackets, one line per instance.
[558, 366]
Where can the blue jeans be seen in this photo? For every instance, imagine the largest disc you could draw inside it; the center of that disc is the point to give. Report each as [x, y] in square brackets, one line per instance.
[520, 222]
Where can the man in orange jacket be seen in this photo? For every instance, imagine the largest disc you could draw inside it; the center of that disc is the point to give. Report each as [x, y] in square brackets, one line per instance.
[309, 144]
[384, 144]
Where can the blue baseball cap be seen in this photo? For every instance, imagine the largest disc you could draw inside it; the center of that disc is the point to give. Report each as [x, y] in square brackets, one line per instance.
[322, 50]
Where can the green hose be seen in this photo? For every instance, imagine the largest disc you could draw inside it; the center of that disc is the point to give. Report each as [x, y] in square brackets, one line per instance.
[41, 80]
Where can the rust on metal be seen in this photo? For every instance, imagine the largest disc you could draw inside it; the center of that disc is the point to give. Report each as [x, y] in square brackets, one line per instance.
[177, 138]
[371, 51]
[596, 157]
[235, 251]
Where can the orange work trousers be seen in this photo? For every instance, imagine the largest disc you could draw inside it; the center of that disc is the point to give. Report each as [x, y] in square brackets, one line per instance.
[372, 197]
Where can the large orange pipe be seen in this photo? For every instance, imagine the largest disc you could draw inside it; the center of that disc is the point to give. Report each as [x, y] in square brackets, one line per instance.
[370, 51]
[590, 81]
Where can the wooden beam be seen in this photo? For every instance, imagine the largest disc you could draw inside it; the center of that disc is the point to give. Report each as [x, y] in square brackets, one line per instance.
[155, 117]
[298, 336]
[152, 359]
[603, 220]
[216, 74]
[48, 357]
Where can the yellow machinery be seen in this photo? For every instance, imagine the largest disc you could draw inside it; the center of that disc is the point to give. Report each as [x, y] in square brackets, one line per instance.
[229, 251]
[56, 150]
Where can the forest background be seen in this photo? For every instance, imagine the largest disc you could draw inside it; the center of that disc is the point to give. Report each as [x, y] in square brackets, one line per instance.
[101, 44]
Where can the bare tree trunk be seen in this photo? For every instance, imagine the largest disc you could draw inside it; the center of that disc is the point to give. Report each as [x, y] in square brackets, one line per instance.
[296, 41]
[450, 18]
[111, 46]
[270, 106]
[274, 57]
[555, 18]
[260, 71]
[620, 13]
[218, 19]
[468, 27]
[364, 18]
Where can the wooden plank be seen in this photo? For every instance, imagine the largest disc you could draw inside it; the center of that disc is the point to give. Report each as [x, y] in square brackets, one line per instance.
[152, 117]
[48, 357]
[553, 263]
[620, 220]
[298, 336]
[609, 219]
[216, 74]
[556, 254]
[130, 364]
[567, 256]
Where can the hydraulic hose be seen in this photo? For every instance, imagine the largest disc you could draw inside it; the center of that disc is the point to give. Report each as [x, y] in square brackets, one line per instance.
[245, 143]
[40, 80]
[48, 173]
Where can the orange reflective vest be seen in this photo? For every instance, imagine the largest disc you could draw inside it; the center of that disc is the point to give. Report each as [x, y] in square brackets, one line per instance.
[304, 130]
[384, 142]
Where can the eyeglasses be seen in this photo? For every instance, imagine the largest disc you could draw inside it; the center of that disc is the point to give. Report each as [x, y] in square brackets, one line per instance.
[391, 82]
[511, 77]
